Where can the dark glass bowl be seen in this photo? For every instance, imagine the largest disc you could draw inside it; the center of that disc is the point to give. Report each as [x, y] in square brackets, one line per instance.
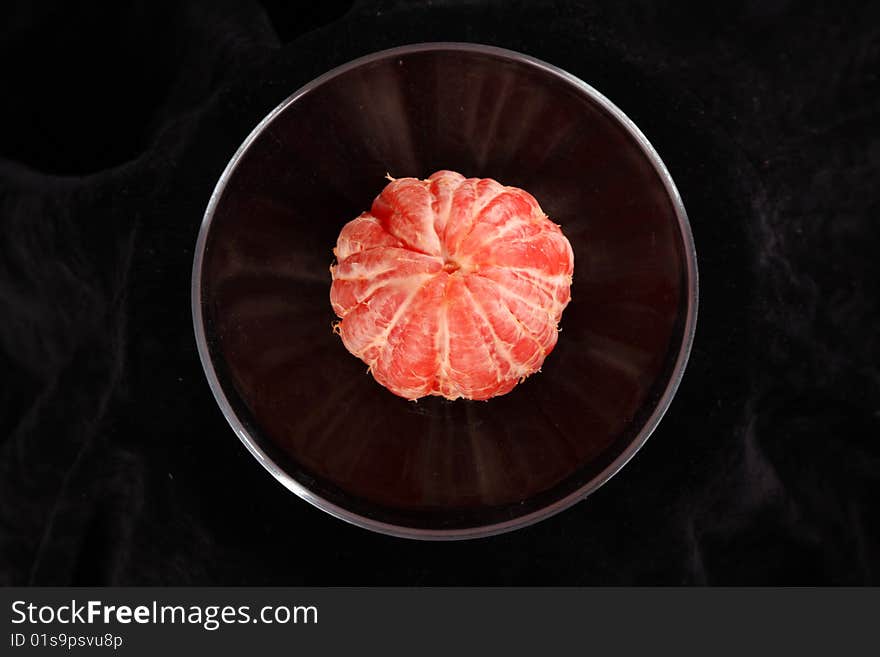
[434, 469]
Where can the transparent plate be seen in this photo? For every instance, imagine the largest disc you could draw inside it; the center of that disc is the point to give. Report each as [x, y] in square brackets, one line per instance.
[309, 411]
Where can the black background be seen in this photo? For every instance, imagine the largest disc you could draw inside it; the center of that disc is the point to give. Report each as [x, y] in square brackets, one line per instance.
[116, 467]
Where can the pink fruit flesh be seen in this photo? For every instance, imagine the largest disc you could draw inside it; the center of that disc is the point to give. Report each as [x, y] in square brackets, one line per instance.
[451, 286]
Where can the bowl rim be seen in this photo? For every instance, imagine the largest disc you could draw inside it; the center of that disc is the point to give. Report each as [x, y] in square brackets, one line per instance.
[560, 504]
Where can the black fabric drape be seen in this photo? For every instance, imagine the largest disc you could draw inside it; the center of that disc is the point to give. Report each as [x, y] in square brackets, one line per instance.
[116, 467]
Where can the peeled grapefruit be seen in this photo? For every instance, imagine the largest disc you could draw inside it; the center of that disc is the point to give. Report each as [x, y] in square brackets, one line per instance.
[451, 286]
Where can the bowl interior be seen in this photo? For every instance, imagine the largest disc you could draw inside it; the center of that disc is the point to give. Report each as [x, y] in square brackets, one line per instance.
[454, 468]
